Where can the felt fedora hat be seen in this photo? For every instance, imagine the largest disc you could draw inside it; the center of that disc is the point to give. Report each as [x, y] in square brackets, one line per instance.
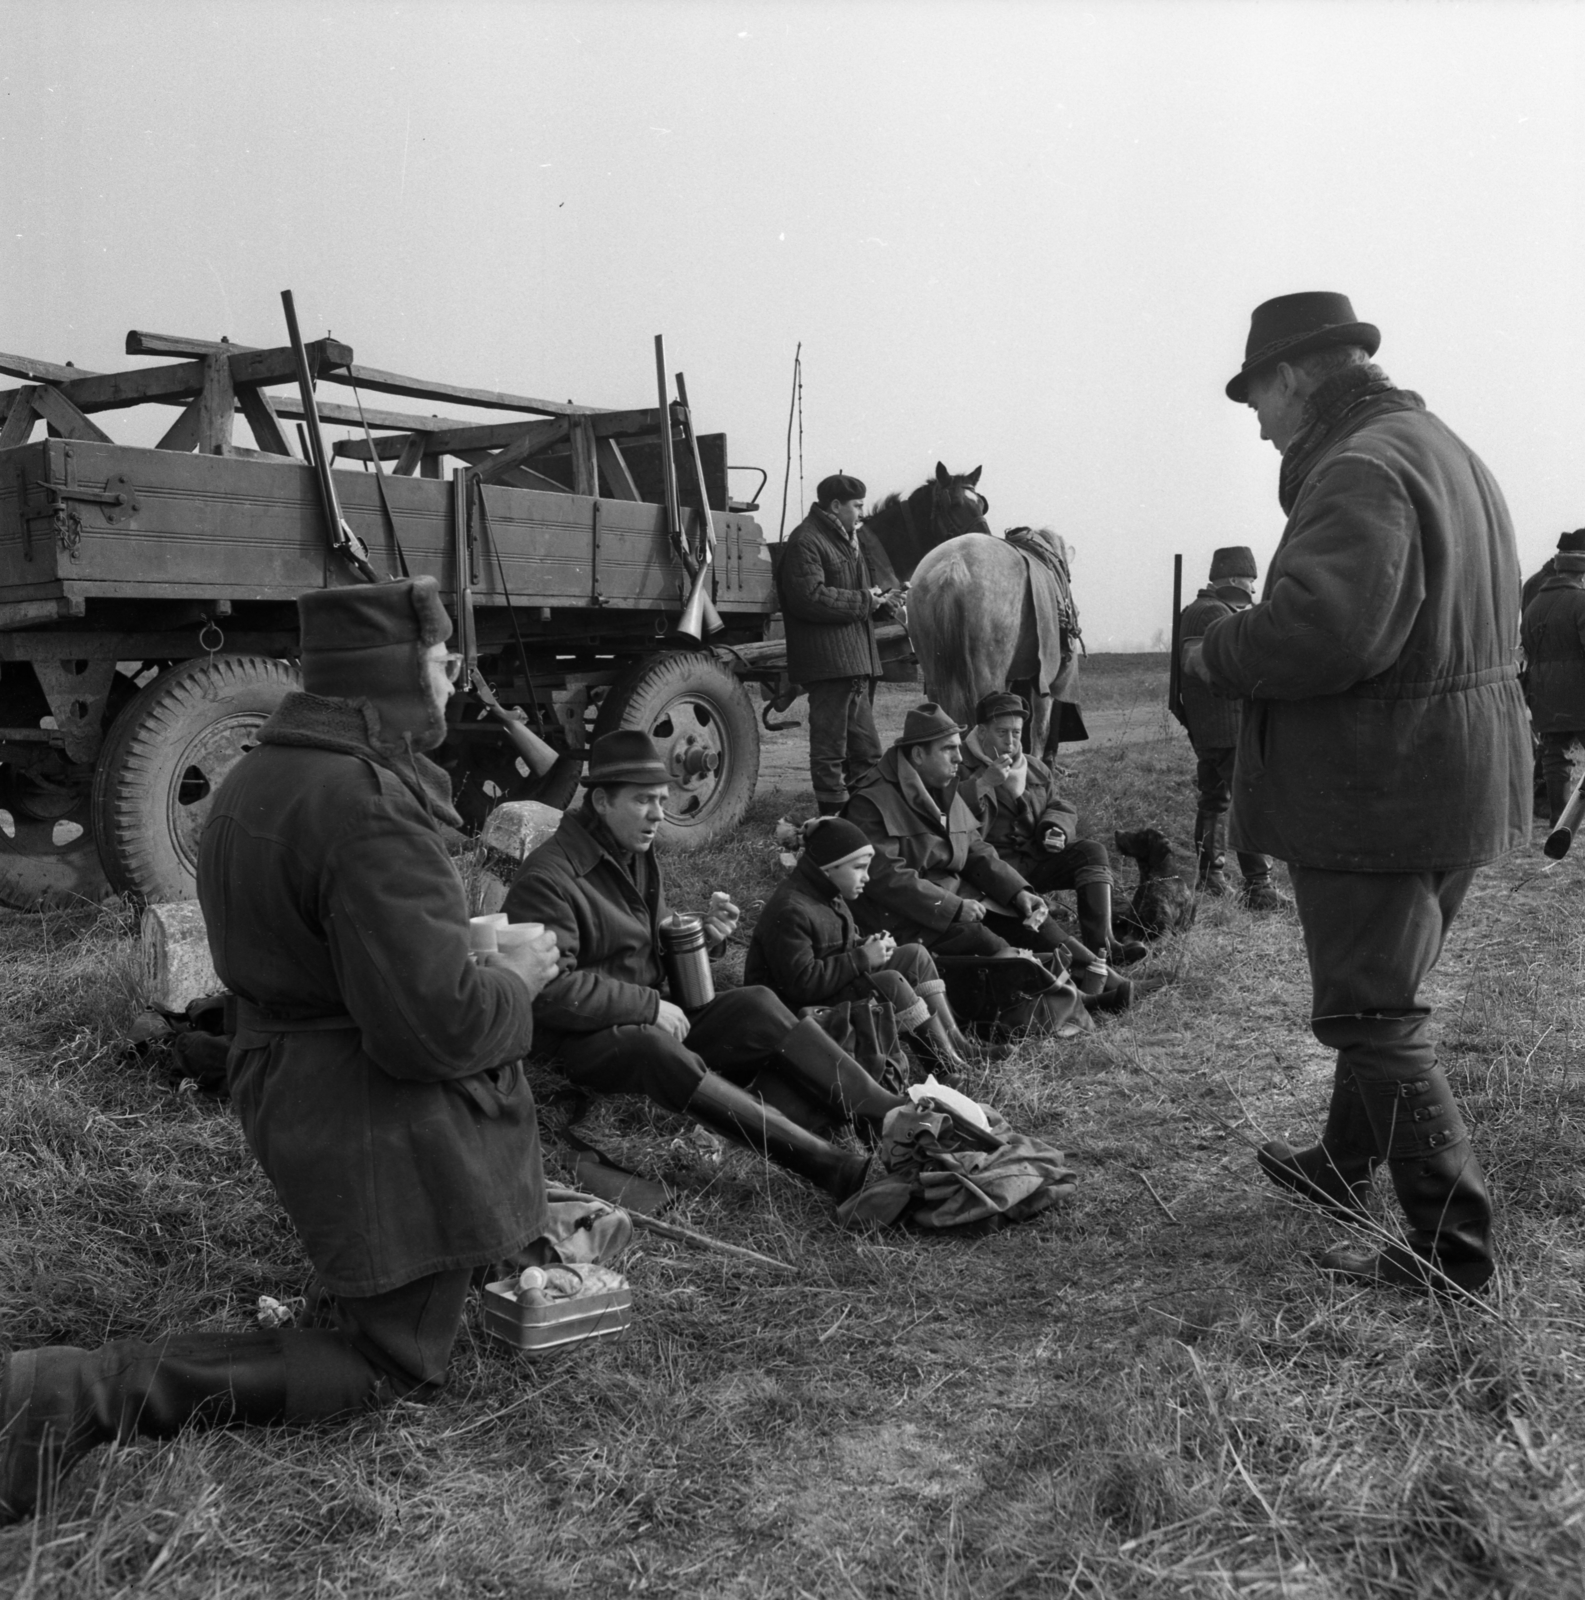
[926, 723]
[626, 756]
[1293, 325]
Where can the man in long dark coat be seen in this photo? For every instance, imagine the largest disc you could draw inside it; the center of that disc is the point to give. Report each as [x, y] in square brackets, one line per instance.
[736, 1064]
[829, 601]
[1212, 721]
[375, 1068]
[1383, 755]
[1553, 633]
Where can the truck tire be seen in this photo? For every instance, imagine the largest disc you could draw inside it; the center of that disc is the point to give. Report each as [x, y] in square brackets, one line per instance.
[47, 855]
[697, 713]
[164, 758]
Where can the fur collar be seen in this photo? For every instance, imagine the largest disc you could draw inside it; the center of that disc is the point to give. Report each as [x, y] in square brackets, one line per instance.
[352, 727]
[1339, 404]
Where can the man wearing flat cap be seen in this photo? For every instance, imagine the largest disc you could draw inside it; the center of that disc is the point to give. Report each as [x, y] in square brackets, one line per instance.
[829, 602]
[1212, 721]
[1383, 755]
[743, 1064]
[375, 1068]
[1031, 827]
[1553, 634]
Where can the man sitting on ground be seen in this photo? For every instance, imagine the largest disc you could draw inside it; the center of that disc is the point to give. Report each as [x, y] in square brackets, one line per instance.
[605, 1025]
[934, 881]
[1032, 828]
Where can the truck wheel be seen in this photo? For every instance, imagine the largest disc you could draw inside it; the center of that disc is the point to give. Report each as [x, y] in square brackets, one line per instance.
[47, 854]
[164, 759]
[701, 718]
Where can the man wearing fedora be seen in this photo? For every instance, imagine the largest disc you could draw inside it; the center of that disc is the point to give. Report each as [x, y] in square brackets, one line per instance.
[1212, 721]
[829, 602]
[743, 1065]
[1553, 633]
[375, 1068]
[1383, 755]
[934, 880]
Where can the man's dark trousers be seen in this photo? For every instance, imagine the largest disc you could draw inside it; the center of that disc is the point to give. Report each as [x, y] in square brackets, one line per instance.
[1213, 777]
[843, 744]
[1372, 939]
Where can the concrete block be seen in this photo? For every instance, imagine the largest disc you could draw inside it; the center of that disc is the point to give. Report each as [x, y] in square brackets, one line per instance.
[519, 826]
[176, 964]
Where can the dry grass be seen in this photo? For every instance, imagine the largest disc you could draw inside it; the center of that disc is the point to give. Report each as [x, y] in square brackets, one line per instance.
[1112, 1401]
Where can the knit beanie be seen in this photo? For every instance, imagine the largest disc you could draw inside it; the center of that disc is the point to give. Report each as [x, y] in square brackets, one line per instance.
[834, 840]
[364, 644]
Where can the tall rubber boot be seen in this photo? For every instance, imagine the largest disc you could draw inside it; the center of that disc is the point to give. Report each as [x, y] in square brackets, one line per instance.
[1208, 847]
[1259, 892]
[1095, 926]
[1335, 1172]
[725, 1109]
[58, 1403]
[828, 1075]
[1439, 1184]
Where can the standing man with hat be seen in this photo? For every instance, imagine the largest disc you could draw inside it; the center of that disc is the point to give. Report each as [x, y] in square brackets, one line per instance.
[1383, 755]
[1553, 633]
[736, 1064]
[375, 1068]
[829, 604]
[1212, 721]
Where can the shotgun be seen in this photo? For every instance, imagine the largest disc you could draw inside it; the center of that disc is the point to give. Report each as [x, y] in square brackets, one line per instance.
[1175, 668]
[1568, 824]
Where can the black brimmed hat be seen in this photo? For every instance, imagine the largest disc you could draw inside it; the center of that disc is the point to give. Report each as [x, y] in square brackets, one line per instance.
[925, 724]
[626, 756]
[1293, 325]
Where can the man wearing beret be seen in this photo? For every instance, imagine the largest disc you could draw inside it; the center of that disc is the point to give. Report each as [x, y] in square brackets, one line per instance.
[1553, 633]
[1212, 721]
[736, 1064]
[1383, 755]
[1031, 827]
[934, 880]
[375, 1068]
[828, 603]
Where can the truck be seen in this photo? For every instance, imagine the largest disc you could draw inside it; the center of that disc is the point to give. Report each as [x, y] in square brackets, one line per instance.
[599, 570]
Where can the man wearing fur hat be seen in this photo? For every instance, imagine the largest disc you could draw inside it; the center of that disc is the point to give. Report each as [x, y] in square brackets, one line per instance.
[1212, 721]
[736, 1064]
[1383, 755]
[1553, 634]
[829, 602]
[375, 1068]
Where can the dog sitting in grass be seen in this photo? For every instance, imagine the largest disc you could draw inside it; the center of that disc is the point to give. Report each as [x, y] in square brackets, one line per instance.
[1162, 903]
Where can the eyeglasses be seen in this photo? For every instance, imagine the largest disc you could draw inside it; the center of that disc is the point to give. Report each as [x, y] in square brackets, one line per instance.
[454, 662]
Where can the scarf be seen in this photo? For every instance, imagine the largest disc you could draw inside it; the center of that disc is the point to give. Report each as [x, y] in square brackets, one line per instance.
[352, 727]
[1339, 401]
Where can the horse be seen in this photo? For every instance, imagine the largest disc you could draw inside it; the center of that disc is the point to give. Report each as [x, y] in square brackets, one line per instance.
[899, 532]
[971, 616]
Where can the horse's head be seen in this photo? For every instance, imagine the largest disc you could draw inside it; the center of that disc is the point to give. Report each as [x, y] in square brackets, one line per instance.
[956, 504]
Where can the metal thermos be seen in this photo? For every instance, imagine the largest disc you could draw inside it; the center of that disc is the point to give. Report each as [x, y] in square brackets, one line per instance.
[687, 964]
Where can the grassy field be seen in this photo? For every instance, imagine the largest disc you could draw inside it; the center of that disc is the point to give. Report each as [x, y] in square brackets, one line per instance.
[1149, 1393]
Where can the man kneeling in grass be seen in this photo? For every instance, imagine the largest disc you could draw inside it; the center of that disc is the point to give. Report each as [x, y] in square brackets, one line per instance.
[375, 1068]
[605, 1024]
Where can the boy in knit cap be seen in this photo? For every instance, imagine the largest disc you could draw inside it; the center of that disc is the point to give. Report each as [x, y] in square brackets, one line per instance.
[807, 948]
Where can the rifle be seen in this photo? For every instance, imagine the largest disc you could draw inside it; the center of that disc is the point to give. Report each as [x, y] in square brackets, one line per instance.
[1175, 668]
[1568, 824]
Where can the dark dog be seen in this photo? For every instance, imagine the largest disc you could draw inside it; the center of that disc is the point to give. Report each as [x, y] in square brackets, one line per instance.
[1162, 903]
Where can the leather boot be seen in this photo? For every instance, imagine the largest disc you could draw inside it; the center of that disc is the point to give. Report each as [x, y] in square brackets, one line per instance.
[57, 1403]
[1335, 1173]
[1095, 926]
[1208, 846]
[1259, 892]
[725, 1109]
[1438, 1183]
[825, 1073]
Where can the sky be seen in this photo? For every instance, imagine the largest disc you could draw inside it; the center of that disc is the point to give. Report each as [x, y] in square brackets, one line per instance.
[1026, 237]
